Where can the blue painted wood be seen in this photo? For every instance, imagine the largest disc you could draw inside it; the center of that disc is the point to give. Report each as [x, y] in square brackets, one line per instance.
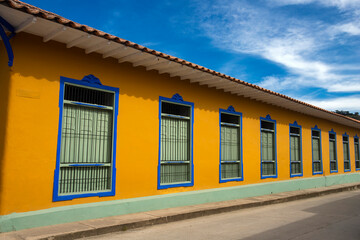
[89, 82]
[6, 38]
[91, 79]
[231, 110]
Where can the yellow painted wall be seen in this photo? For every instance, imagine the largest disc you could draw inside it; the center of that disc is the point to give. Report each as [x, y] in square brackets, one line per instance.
[4, 94]
[31, 119]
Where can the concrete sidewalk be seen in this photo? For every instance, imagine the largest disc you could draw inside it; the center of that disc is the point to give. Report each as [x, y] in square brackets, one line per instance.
[123, 222]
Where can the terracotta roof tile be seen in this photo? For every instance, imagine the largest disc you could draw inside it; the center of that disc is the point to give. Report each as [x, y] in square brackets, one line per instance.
[54, 17]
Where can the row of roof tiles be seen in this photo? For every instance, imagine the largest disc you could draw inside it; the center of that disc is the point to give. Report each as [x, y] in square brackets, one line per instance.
[38, 12]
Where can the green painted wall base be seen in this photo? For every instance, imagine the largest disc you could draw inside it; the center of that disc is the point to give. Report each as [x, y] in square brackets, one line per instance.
[18, 221]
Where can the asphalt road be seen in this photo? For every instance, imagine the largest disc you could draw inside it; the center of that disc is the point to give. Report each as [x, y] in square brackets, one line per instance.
[334, 216]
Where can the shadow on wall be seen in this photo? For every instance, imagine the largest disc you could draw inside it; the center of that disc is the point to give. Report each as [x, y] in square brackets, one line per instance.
[52, 59]
[4, 98]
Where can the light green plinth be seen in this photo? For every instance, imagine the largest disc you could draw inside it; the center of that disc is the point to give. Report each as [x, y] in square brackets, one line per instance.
[18, 221]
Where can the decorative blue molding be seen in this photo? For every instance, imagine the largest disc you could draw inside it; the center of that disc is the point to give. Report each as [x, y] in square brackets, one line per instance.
[6, 38]
[86, 82]
[231, 109]
[356, 145]
[268, 117]
[177, 97]
[296, 125]
[91, 79]
[348, 151]
[320, 149]
[336, 152]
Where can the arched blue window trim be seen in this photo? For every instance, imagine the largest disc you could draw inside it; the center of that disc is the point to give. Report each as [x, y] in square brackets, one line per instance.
[176, 98]
[269, 119]
[321, 162]
[231, 110]
[356, 137]
[348, 150]
[296, 125]
[93, 82]
[336, 153]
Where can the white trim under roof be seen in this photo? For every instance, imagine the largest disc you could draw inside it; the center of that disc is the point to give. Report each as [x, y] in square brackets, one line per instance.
[91, 43]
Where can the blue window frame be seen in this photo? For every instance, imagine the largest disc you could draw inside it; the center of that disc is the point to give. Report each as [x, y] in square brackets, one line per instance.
[231, 165]
[333, 152]
[86, 150]
[357, 153]
[268, 147]
[176, 119]
[346, 151]
[317, 166]
[296, 168]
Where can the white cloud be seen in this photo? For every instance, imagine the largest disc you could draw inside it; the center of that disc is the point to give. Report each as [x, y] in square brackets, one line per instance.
[350, 103]
[297, 44]
[350, 28]
[341, 4]
[276, 83]
[346, 86]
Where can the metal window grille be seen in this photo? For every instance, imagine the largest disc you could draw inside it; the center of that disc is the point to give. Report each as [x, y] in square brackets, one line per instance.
[357, 157]
[295, 150]
[268, 148]
[86, 141]
[175, 158]
[333, 157]
[346, 153]
[230, 146]
[316, 152]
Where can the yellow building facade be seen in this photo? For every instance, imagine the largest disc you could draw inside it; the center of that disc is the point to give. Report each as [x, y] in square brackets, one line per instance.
[31, 125]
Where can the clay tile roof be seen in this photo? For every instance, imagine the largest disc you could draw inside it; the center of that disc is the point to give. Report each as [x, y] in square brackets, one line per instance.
[16, 4]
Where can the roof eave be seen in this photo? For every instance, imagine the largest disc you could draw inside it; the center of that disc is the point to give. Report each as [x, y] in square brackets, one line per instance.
[49, 26]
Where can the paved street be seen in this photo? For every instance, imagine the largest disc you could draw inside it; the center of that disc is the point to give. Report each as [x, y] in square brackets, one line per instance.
[334, 216]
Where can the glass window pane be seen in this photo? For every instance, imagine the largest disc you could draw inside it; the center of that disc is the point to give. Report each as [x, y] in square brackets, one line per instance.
[346, 151]
[230, 146]
[86, 138]
[316, 149]
[175, 156]
[175, 141]
[230, 170]
[332, 150]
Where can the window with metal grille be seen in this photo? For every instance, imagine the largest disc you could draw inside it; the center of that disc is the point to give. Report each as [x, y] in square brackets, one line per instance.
[316, 151]
[175, 168]
[347, 166]
[357, 150]
[333, 152]
[230, 146]
[85, 159]
[268, 147]
[295, 150]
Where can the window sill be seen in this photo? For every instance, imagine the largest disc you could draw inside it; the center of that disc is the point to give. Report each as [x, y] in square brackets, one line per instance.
[231, 180]
[268, 176]
[57, 198]
[165, 186]
[296, 175]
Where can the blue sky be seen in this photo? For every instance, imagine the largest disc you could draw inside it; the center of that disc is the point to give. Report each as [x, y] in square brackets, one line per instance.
[306, 49]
